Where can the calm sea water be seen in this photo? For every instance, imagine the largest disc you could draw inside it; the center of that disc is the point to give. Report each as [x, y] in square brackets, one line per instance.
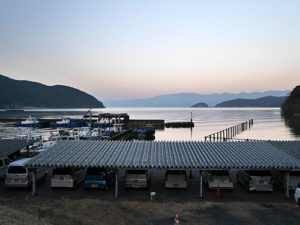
[268, 124]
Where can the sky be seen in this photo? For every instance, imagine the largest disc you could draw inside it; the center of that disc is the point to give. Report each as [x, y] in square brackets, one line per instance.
[118, 50]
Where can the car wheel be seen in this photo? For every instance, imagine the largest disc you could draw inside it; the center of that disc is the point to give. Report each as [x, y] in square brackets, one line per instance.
[45, 177]
[248, 188]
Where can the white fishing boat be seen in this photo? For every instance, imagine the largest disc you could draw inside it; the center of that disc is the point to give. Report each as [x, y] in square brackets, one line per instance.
[64, 121]
[30, 121]
[84, 132]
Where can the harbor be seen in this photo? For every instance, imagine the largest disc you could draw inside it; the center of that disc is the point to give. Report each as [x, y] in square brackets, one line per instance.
[120, 142]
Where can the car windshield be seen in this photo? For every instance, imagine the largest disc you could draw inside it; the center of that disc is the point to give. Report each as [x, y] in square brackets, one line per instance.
[17, 169]
[96, 171]
[259, 173]
[219, 172]
[176, 172]
[62, 171]
[295, 173]
[107, 133]
[136, 171]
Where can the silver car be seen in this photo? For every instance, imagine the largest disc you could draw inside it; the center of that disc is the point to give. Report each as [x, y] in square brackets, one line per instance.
[256, 180]
[176, 179]
[67, 177]
[279, 179]
[137, 178]
[218, 178]
[19, 176]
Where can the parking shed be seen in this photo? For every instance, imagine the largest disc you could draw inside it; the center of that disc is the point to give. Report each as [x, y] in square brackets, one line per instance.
[11, 146]
[182, 155]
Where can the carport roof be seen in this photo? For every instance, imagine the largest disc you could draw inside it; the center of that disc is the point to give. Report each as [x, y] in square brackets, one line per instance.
[9, 146]
[165, 154]
[290, 147]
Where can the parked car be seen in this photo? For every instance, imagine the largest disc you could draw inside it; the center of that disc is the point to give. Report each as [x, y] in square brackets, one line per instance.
[67, 177]
[137, 178]
[4, 162]
[218, 178]
[19, 176]
[256, 180]
[297, 194]
[107, 134]
[99, 178]
[176, 179]
[279, 179]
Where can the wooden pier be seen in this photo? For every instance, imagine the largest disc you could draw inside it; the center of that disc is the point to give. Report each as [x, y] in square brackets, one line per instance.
[230, 132]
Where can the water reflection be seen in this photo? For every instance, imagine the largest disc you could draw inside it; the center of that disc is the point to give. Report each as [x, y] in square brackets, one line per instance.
[293, 122]
[268, 123]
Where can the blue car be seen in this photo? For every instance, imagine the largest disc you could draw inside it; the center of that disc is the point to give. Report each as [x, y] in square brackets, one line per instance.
[99, 178]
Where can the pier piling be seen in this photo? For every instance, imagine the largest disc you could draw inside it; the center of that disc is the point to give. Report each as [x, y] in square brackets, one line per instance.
[231, 132]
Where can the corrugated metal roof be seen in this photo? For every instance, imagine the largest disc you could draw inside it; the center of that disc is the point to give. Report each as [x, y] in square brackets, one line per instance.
[165, 154]
[9, 146]
[291, 147]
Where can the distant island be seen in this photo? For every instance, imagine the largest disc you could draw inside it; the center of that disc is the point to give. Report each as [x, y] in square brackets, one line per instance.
[188, 99]
[291, 106]
[200, 105]
[27, 94]
[268, 101]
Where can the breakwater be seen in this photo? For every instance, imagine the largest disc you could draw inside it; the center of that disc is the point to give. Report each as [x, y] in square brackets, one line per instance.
[179, 125]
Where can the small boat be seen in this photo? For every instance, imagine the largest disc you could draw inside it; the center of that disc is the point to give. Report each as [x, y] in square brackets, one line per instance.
[65, 122]
[85, 132]
[29, 122]
[149, 131]
[145, 134]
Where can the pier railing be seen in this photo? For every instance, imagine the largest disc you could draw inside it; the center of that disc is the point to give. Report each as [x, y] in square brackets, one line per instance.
[230, 132]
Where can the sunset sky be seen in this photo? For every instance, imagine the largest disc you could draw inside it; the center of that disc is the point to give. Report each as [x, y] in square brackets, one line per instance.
[136, 49]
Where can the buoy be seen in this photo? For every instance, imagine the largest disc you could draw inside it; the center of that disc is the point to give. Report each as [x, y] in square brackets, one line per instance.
[218, 192]
[176, 221]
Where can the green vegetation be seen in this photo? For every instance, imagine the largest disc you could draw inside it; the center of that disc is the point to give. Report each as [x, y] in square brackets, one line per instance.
[200, 105]
[27, 94]
[291, 106]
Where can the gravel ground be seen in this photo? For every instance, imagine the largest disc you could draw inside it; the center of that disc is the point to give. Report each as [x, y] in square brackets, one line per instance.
[134, 207]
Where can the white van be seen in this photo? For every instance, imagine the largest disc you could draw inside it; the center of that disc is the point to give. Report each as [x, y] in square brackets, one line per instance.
[176, 179]
[218, 178]
[4, 162]
[19, 176]
[67, 177]
[279, 179]
[256, 180]
[137, 178]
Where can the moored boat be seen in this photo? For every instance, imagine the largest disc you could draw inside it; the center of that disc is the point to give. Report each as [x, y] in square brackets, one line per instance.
[29, 122]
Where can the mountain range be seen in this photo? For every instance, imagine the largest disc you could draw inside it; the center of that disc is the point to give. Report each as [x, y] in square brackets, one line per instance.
[28, 94]
[188, 99]
[268, 101]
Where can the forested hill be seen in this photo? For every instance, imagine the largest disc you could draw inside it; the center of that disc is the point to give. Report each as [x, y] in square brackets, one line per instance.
[291, 106]
[25, 94]
[268, 101]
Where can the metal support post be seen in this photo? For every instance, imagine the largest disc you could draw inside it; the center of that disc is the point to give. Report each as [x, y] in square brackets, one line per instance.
[34, 192]
[27, 151]
[201, 184]
[116, 185]
[287, 190]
